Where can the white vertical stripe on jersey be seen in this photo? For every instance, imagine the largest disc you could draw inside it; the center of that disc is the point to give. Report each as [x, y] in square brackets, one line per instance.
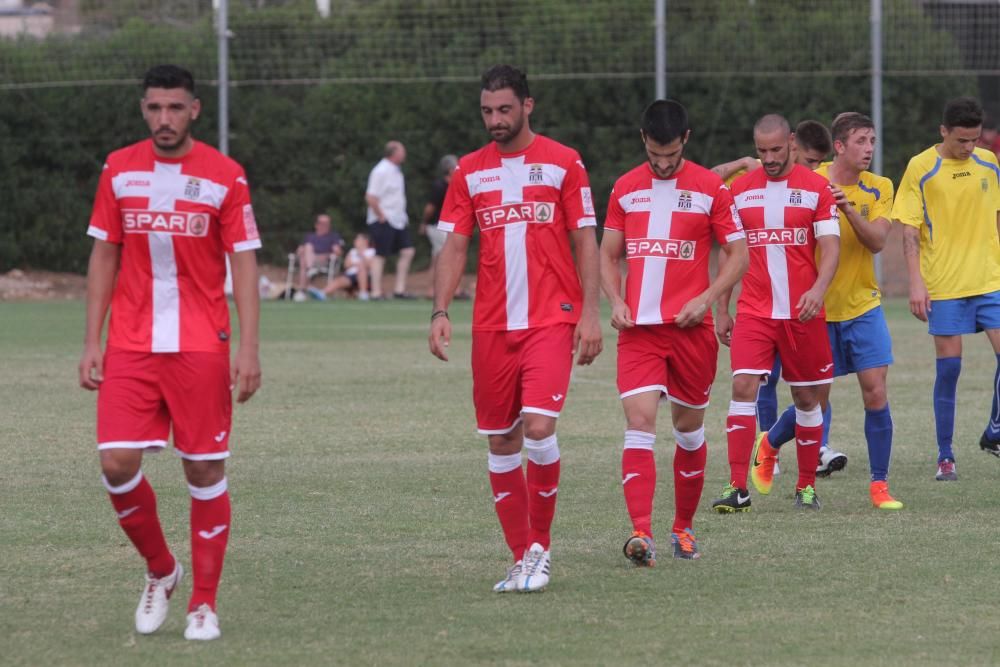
[516, 260]
[655, 268]
[166, 187]
[166, 294]
[775, 198]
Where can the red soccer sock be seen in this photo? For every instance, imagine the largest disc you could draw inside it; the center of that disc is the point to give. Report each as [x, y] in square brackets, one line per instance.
[807, 439]
[639, 479]
[741, 429]
[543, 487]
[510, 499]
[689, 480]
[135, 504]
[210, 522]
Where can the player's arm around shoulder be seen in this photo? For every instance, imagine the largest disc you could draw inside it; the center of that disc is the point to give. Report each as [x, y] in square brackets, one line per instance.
[101, 271]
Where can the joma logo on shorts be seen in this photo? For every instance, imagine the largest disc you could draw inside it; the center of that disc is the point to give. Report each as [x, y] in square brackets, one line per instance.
[505, 214]
[777, 236]
[666, 248]
[181, 223]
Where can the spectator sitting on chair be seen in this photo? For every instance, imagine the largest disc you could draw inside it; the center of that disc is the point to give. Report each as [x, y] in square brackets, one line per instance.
[315, 252]
[357, 269]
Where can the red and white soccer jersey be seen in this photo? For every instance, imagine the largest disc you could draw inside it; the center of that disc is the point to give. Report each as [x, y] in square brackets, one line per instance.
[175, 220]
[524, 204]
[782, 219]
[669, 224]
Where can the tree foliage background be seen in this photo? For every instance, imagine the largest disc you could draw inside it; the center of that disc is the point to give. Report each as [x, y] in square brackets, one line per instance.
[314, 99]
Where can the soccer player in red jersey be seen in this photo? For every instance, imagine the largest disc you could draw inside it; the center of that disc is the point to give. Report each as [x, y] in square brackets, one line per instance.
[662, 217]
[787, 212]
[534, 309]
[167, 211]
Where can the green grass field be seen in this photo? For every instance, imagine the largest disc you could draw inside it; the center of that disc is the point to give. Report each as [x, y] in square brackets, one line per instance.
[364, 531]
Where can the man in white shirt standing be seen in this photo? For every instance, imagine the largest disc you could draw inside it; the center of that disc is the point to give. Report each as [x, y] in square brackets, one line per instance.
[387, 219]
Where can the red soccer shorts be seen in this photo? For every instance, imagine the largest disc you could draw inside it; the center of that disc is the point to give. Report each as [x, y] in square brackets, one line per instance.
[804, 348]
[520, 371]
[145, 394]
[679, 362]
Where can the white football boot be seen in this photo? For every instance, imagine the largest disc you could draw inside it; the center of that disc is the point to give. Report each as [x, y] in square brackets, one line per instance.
[509, 583]
[535, 572]
[202, 624]
[155, 600]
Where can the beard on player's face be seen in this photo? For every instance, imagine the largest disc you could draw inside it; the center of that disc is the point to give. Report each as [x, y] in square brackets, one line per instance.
[504, 133]
[168, 138]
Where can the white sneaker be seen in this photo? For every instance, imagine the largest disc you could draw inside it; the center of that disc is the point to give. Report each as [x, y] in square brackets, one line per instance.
[830, 461]
[203, 624]
[155, 600]
[509, 583]
[535, 573]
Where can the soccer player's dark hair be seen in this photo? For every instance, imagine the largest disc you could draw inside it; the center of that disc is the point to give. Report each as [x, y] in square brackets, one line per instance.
[499, 77]
[168, 76]
[848, 122]
[813, 135]
[963, 112]
[663, 121]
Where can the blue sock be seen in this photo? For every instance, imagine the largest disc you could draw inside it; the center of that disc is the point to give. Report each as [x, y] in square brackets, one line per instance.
[767, 400]
[783, 429]
[993, 428]
[878, 433]
[827, 416]
[945, 389]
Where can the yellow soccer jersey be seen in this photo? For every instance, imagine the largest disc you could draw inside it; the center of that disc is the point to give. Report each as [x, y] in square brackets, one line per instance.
[954, 204]
[854, 290]
[735, 175]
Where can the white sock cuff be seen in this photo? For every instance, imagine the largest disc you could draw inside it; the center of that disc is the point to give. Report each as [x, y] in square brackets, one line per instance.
[543, 452]
[124, 488]
[209, 492]
[691, 440]
[741, 408]
[812, 417]
[501, 463]
[639, 440]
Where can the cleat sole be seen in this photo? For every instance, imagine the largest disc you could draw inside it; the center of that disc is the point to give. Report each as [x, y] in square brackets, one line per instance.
[723, 509]
[836, 465]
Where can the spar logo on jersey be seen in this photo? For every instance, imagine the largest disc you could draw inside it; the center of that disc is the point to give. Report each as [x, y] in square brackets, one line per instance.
[795, 198]
[536, 175]
[178, 223]
[505, 214]
[758, 237]
[193, 188]
[685, 201]
[662, 248]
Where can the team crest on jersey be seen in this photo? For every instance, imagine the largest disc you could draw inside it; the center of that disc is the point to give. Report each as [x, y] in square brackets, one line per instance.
[757, 237]
[984, 184]
[662, 248]
[795, 197]
[193, 188]
[536, 175]
[865, 211]
[685, 201]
